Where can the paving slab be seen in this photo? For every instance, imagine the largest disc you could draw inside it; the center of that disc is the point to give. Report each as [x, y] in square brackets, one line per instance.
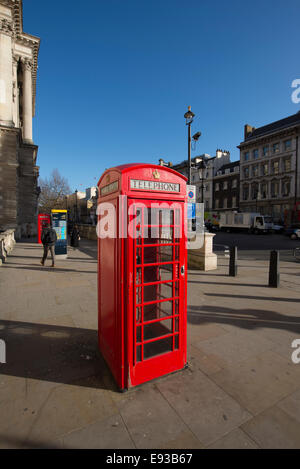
[237, 439]
[274, 429]
[234, 347]
[205, 408]
[150, 419]
[70, 408]
[259, 382]
[291, 405]
[108, 433]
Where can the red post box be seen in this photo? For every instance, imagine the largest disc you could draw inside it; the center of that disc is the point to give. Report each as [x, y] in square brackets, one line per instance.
[43, 219]
[142, 265]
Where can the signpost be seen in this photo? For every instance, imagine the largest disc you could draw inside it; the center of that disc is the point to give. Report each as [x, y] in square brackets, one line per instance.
[191, 208]
[59, 224]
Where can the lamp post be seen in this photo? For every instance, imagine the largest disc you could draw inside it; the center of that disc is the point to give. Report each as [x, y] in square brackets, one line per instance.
[76, 212]
[189, 117]
[202, 167]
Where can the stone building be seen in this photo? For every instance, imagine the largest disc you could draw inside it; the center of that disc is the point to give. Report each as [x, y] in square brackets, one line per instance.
[204, 170]
[82, 206]
[270, 168]
[226, 187]
[18, 153]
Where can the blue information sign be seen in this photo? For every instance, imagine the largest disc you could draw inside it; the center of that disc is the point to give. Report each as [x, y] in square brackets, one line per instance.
[191, 213]
[59, 223]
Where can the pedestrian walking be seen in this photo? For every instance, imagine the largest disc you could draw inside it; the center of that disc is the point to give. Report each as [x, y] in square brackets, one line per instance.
[48, 238]
[75, 237]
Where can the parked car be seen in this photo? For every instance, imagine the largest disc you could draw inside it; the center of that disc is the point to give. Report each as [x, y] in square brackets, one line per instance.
[293, 231]
[211, 227]
[277, 228]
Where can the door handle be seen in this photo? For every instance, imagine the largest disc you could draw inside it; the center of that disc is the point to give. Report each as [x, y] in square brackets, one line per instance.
[182, 270]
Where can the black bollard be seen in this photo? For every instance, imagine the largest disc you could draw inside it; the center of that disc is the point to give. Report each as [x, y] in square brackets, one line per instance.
[233, 269]
[274, 275]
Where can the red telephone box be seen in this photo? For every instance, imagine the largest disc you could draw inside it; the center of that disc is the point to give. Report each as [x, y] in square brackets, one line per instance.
[43, 219]
[142, 264]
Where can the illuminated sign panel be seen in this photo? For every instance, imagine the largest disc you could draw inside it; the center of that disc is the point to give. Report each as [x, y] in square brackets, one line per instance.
[143, 185]
[59, 223]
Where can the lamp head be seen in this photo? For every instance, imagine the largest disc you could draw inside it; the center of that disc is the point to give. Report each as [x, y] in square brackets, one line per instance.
[189, 116]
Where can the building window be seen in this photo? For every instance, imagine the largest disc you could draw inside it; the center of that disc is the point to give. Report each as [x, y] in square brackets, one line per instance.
[246, 156]
[266, 150]
[287, 164]
[255, 154]
[254, 191]
[255, 170]
[246, 172]
[207, 188]
[274, 189]
[275, 167]
[233, 202]
[246, 192]
[264, 190]
[217, 186]
[217, 203]
[276, 148]
[225, 203]
[288, 145]
[286, 187]
[234, 184]
[225, 185]
[265, 169]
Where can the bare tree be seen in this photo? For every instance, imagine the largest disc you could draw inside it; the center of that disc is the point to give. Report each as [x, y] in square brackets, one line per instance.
[53, 192]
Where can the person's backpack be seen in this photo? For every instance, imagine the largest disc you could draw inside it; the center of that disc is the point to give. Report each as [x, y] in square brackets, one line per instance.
[49, 237]
[52, 236]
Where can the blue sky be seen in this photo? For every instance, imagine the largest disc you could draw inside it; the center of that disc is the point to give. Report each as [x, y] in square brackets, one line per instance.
[115, 78]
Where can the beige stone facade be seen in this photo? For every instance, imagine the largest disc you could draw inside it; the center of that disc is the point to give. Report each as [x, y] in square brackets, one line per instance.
[18, 153]
[270, 168]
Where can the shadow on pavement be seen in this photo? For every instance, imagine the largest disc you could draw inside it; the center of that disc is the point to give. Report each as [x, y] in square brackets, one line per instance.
[65, 355]
[46, 268]
[200, 282]
[243, 318]
[263, 298]
[20, 443]
[92, 252]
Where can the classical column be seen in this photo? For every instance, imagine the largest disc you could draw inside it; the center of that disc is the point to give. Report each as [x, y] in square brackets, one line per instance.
[6, 32]
[27, 101]
[15, 92]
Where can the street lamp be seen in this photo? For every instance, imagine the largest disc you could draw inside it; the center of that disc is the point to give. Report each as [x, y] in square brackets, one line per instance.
[189, 117]
[162, 162]
[76, 213]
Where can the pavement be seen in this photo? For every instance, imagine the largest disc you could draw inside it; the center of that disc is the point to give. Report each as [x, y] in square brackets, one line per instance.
[241, 389]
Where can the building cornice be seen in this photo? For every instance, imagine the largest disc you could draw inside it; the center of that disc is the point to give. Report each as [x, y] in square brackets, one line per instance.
[269, 138]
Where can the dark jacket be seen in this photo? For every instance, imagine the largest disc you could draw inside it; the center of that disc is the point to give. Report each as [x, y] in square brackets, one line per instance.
[75, 237]
[49, 237]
